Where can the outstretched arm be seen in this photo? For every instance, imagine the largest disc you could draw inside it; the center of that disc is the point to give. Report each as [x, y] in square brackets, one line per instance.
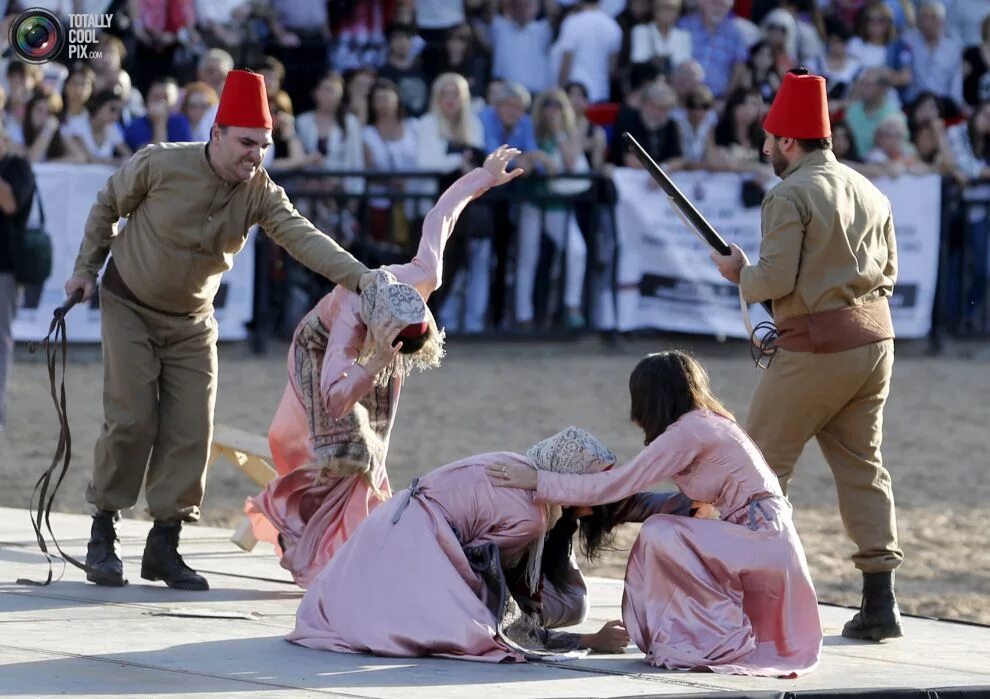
[671, 453]
[425, 271]
[301, 239]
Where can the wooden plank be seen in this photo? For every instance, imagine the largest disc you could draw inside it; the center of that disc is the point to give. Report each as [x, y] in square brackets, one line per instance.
[244, 536]
[247, 442]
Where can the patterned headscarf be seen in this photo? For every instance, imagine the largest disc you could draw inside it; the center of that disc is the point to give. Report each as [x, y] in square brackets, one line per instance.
[385, 299]
[571, 451]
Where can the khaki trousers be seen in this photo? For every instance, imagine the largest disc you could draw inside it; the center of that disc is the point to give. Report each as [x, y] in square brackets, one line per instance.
[159, 391]
[837, 398]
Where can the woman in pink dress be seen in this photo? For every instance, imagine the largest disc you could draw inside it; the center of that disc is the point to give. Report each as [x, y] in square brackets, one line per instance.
[330, 436]
[452, 566]
[731, 594]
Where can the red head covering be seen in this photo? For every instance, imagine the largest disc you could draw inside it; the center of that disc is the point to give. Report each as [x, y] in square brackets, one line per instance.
[411, 332]
[244, 101]
[800, 109]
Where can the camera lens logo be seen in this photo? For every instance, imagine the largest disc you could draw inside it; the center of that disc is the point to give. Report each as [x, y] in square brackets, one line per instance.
[37, 36]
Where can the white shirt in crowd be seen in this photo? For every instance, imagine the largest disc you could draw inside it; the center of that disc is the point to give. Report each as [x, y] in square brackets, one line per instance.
[391, 156]
[345, 147]
[433, 153]
[438, 14]
[647, 42]
[610, 7]
[520, 54]
[217, 11]
[694, 140]
[82, 129]
[201, 131]
[592, 37]
[964, 20]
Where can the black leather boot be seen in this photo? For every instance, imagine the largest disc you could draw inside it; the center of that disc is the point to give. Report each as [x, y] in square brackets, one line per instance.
[161, 560]
[878, 616]
[103, 553]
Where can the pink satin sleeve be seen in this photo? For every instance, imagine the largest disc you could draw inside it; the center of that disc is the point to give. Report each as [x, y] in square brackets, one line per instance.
[343, 381]
[425, 271]
[668, 455]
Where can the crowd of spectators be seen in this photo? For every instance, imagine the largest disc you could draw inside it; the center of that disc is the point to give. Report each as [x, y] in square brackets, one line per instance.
[431, 85]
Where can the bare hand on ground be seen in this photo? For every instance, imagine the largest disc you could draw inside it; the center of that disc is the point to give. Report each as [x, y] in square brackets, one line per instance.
[612, 638]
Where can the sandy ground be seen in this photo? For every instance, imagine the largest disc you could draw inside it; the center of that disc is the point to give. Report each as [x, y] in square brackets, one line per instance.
[507, 396]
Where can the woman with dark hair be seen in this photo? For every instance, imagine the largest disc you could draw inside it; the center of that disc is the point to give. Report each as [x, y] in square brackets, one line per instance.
[349, 359]
[101, 137]
[837, 66]
[76, 91]
[738, 135]
[745, 602]
[389, 146]
[762, 72]
[462, 55]
[42, 137]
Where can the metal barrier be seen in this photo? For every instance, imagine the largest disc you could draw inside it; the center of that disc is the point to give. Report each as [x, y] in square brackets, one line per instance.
[377, 216]
[364, 221]
[962, 302]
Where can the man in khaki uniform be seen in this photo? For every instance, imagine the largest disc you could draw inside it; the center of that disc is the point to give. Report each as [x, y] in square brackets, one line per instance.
[828, 262]
[189, 207]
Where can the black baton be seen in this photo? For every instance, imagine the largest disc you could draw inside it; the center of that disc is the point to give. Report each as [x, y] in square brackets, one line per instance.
[682, 204]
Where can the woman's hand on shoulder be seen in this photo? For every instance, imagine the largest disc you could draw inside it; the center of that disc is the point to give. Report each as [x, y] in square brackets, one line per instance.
[512, 476]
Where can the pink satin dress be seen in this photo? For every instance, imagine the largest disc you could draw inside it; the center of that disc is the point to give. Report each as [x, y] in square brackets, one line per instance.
[405, 588]
[732, 595]
[315, 514]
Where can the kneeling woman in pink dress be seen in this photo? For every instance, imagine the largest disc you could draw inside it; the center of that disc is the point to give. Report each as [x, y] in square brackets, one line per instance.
[452, 567]
[348, 360]
[731, 594]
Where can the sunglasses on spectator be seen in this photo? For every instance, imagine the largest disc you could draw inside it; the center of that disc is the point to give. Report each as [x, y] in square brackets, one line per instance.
[552, 103]
[699, 105]
[877, 19]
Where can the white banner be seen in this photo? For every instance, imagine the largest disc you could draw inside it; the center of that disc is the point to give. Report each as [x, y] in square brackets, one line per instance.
[668, 282]
[68, 192]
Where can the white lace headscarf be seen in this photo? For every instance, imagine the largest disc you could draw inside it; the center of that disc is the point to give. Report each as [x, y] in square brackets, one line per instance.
[385, 299]
[573, 451]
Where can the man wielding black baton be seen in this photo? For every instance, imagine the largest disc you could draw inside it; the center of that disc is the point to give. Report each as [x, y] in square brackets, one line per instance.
[828, 262]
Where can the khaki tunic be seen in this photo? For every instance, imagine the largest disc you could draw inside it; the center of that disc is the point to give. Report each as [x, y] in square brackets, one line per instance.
[184, 226]
[828, 243]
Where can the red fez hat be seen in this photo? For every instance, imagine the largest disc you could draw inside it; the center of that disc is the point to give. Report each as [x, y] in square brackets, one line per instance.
[244, 101]
[800, 109]
[411, 332]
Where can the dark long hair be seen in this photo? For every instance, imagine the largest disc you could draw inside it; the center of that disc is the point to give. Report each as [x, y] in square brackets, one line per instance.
[596, 535]
[667, 385]
[384, 84]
